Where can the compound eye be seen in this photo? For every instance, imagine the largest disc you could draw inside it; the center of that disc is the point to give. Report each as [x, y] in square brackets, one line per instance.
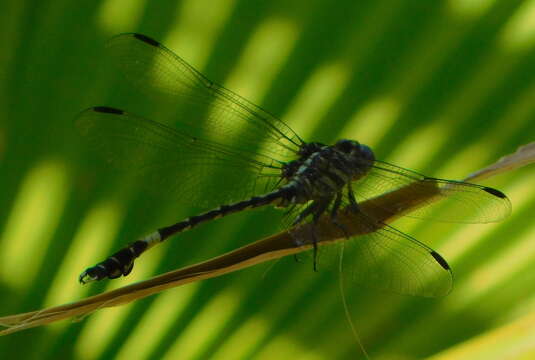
[345, 146]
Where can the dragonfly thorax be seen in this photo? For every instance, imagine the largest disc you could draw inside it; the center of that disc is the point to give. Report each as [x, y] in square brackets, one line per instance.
[322, 171]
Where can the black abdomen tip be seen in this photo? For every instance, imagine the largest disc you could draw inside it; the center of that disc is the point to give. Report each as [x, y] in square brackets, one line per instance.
[147, 39]
[495, 192]
[108, 110]
[440, 260]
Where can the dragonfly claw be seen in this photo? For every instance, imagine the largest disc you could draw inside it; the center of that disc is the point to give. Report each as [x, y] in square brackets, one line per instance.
[86, 277]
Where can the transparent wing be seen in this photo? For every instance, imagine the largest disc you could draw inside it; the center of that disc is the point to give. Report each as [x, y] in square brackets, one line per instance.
[388, 259]
[172, 161]
[462, 202]
[382, 258]
[157, 70]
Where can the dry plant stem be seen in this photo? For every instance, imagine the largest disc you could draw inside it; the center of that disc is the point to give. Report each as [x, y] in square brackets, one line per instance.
[523, 156]
[403, 201]
[273, 247]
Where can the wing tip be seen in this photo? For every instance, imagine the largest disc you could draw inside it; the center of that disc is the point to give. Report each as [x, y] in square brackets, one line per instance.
[146, 39]
[107, 110]
[495, 192]
[440, 260]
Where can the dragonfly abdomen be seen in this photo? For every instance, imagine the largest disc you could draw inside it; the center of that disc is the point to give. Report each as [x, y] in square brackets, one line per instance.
[122, 262]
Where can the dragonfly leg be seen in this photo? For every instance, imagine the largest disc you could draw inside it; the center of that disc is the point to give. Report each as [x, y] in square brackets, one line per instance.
[301, 238]
[290, 210]
[315, 245]
[310, 209]
[352, 201]
[316, 209]
[322, 206]
[334, 214]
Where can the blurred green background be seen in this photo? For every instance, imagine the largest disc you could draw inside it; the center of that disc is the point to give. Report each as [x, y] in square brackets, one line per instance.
[441, 87]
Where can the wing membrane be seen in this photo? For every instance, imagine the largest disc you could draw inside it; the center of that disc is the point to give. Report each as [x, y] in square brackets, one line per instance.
[157, 70]
[383, 258]
[172, 161]
[388, 259]
[463, 202]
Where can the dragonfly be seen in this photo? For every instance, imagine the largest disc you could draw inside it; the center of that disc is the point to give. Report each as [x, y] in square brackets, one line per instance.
[260, 161]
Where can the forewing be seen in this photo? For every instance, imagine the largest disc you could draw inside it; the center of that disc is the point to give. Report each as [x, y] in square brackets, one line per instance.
[172, 161]
[157, 70]
[462, 202]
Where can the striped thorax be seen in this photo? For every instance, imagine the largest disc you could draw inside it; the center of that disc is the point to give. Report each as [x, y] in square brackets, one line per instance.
[322, 171]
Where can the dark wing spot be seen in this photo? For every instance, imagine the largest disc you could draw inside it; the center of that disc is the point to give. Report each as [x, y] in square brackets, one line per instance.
[495, 192]
[107, 109]
[147, 39]
[440, 260]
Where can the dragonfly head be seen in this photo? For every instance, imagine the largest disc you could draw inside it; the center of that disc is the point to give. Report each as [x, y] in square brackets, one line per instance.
[355, 149]
[359, 155]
